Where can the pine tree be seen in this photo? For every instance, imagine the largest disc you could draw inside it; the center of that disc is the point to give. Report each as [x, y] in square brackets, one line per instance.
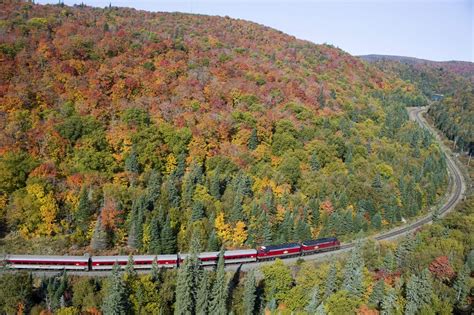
[461, 285]
[418, 292]
[219, 290]
[377, 182]
[186, 286]
[377, 294]
[353, 276]
[131, 162]
[315, 301]
[99, 238]
[155, 271]
[314, 208]
[84, 210]
[130, 272]
[314, 161]
[249, 293]
[376, 221]
[213, 242]
[215, 185]
[320, 310]
[203, 294]
[389, 262]
[153, 189]
[168, 239]
[155, 238]
[389, 302]
[331, 281]
[116, 301]
[135, 235]
[253, 140]
[197, 211]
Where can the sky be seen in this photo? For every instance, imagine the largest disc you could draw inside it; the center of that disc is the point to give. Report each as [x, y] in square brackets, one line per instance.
[436, 30]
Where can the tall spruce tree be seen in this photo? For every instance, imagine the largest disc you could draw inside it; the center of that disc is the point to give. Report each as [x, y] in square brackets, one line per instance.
[168, 239]
[331, 281]
[116, 302]
[461, 285]
[314, 302]
[187, 282]
[83, 211]
[131, 162]
[353, 276]
[155, 237]
[249, 293]
[376, 297]
[203, 294]
[219, 290]
[253, 140]
[99, 237]
[135, 236]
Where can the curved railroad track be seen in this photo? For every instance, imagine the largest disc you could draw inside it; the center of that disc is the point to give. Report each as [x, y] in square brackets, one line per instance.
[456, 189]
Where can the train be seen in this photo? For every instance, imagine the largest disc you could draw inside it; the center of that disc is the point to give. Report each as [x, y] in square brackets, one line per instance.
[101, 263]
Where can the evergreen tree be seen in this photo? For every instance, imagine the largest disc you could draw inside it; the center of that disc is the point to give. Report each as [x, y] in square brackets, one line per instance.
[99, 238]
[83, 211]
[320, 310]
[155, 271]
[219, 290]
[331, 281]
[135, 235]
[116, 301]
[168, 239]
[130, 269]
[131, 162]
[418, 292]
[389, 302]
[155, 237]
[249, 293]
[377, 294]
[253, 140]
[314, 208]
[203, 296]
[376, 221]
[266, 230]
[153, 189]
[314, 302]
[389, 262]
[197, 211]
[377, 182]
[314, 161]
[186, 286]
[213, 241]
[353, 273]
[461, 285]
[215, 185]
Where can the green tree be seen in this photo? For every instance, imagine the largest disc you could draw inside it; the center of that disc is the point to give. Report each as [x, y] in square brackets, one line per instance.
[116, 302]
[418, 292]
[99, 237]
[155, 237]
[341, 302]
[203, 294]
[83, 211]
[331, 281]
[253, 140]
[461, 285]
[314, 302]
[389, 301]
[278, 281]
[376, 221]
[16, 291]
[187, 281]
[131, 162]
[249, 293]
[168, 239]
[376, 297]
[219, 289]
[314, 161]
[353, 274]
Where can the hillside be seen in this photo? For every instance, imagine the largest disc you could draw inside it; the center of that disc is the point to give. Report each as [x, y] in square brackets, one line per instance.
[454, 113]
[126, 130]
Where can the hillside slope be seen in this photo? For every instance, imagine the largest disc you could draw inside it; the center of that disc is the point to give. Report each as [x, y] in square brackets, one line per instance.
[129, 128]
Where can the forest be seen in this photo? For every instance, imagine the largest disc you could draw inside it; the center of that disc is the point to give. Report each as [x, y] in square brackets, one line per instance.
[130, 131]
[428, 272]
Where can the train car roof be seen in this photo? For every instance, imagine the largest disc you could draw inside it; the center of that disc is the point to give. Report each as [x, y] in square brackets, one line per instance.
[320, 240]
[122, 257]
[240, 252]
[46, 258]
[280, 246]
[207, 254]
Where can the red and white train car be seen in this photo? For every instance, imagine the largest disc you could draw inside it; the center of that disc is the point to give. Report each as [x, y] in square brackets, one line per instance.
[139, 261]
[320, 245]
[278, 251]
[47, 262]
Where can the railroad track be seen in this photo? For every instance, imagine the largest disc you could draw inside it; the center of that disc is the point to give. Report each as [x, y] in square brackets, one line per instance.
[456, 192]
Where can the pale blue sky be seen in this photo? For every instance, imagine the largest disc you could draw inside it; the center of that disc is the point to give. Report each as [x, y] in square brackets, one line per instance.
[436, 30]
